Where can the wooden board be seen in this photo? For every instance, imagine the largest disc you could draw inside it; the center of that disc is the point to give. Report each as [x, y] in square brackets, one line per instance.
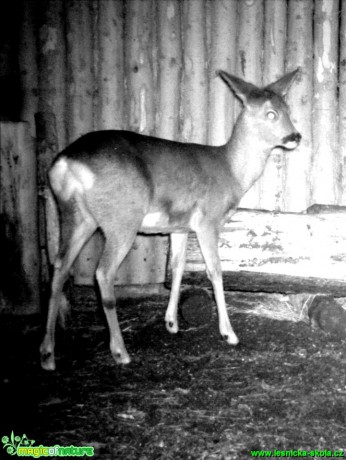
[279, 252]
[19, 251]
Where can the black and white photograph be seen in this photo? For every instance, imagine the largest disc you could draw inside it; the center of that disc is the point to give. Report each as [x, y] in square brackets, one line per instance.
[173, 229]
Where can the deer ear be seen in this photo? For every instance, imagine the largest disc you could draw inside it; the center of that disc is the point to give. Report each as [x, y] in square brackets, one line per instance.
[241, 88]
[282, 85]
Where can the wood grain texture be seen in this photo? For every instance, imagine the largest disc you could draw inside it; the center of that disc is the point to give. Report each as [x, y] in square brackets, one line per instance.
[282, 252]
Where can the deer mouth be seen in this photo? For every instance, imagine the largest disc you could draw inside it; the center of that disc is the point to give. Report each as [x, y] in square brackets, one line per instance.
[291, 141]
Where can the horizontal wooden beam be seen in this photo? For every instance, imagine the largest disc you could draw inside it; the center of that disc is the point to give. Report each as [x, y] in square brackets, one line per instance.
[278, 252]
[266, 282]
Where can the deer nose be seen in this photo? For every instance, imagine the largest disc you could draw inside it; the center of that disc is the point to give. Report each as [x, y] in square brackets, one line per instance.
[298, 137]
[292, 140]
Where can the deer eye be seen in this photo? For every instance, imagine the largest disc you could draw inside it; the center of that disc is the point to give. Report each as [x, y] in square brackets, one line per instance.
[272, 115]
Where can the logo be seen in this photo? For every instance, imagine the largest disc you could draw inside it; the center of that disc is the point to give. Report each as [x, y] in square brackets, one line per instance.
[22, 446]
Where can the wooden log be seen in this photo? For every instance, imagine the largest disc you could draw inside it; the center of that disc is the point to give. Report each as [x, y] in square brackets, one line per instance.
[27, 64]
[280, 252]
[194, 85]
[275, 26]
[10, 94]
[110, 111]
[80, 78]
[80, 88]
[47, 147]
[275, 31]
[248, 281]
[249, 67]
[50, 121]
[326, 157]
[250, 41]
[144, 264]
[342, 104]
[169, 75]
[297, 193]
[222, 52]
[138, 44]
[169, 78]
[110, 66]
[52, 63]
[19, 261]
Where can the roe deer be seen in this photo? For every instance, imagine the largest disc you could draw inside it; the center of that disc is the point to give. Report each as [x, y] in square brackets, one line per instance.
[126, 183]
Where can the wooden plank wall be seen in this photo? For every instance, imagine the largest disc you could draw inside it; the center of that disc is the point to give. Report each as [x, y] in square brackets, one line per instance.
[19, 254]
[149, 66]
[278, 252]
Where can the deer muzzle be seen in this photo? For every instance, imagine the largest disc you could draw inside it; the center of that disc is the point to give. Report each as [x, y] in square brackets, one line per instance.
[291, 141]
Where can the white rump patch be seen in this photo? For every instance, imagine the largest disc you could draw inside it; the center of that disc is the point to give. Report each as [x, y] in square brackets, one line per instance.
[83, 174]
[67, 177]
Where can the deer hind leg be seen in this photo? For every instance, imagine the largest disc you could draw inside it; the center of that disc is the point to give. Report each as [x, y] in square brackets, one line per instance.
[77, 226]
[207, 239]
[118, 242]
[178, 256]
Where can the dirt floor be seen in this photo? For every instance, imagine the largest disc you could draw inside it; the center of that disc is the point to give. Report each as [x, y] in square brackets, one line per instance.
[184, 396]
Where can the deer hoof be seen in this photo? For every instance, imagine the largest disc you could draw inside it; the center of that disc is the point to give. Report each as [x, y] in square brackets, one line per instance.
[172, 327]
[121, 358]
[48, 362]
[231, 339]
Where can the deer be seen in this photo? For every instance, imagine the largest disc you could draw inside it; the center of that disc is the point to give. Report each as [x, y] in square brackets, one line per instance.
[125, 183]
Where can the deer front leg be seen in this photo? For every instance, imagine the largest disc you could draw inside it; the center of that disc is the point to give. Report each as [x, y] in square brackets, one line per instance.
[207, 239]
[178, 256]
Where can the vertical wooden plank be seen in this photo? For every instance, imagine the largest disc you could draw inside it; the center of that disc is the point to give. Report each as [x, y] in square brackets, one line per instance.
[46, 148]
[297, 188]
[52, 63]
[10, 96]
[169, 78]
[223, 18]
[141, 265]
[110, 101]
[43, 68]
[275, 28]
[195, 82]
[80, 81]
[51, 99]
[28, 63]
[110, 66]
[139, 43]
[326, 157]
[342, 103]
[80, 88]
[19, 264]
[169, 75]
[249, 63]
[250, 40]
[27, 210]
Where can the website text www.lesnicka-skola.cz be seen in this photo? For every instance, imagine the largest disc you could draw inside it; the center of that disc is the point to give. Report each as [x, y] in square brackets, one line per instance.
[299, 453]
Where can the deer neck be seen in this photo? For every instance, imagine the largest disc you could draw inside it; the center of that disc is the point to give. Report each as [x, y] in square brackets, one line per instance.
[247, 154]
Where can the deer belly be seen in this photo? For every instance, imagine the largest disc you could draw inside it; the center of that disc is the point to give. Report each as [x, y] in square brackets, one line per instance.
[161, 222]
